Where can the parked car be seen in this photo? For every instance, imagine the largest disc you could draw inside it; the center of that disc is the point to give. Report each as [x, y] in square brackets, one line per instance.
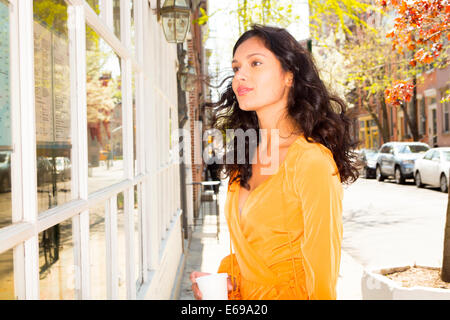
[368, 161]
[433, 168]
[63, 168]
[5, 171]
[396, 159]
[44, 170]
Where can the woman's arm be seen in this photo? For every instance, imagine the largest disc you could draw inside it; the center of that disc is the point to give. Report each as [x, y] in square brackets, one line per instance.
[320, 194]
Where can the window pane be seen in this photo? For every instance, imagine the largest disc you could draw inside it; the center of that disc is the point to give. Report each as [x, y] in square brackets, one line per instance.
[6, 276]
[52, 99]
[116, 18]
[137, 242]
[121, 258]
[446, 155]
[5, 119]
[133, 88]
[133, 30]
[56, 263]
[122, 243]
[104, 114]
[97, 247]
[95, 4]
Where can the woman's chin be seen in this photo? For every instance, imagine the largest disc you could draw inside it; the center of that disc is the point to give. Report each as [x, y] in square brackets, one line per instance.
[246, 107]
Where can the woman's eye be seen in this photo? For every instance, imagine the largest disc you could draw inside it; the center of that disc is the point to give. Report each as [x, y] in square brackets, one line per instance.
[256, 63]
[235, 69]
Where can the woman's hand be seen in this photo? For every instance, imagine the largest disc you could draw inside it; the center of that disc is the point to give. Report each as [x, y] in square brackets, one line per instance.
[197, 293]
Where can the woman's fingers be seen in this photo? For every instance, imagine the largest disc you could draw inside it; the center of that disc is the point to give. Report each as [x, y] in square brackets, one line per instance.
[193, 276]
[196, 291]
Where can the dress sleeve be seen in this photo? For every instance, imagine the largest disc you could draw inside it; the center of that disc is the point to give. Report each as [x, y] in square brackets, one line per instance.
[318, 187]
[229, 265]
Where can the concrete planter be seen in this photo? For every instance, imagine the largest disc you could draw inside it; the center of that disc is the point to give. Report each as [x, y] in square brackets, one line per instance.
[376, 286]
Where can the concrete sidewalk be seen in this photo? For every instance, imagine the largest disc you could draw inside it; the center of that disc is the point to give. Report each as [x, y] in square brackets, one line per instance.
[206, 251]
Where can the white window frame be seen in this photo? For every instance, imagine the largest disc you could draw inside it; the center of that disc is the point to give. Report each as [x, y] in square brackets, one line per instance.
[156, 176]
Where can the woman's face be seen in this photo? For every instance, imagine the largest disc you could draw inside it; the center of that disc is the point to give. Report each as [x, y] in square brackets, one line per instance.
[259, 80]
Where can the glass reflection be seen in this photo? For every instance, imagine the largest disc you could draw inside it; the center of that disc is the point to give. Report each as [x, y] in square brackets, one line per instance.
[137, 243]
[7, 276]
[97, 247]
[133, 88]
[94, 5]
[121, 258]
[104, 114]
[5, 119]
[56, 263]
[133, 30]
[52, 99]
[116, 17]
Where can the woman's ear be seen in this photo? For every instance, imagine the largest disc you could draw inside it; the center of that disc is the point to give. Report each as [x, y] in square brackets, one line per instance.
[289, 79]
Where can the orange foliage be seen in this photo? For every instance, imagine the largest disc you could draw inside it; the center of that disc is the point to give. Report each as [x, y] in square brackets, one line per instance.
[398, 92]
[420, 23]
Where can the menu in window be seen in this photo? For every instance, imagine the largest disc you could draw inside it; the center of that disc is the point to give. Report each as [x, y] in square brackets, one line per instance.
[43, 83]
[5, 108]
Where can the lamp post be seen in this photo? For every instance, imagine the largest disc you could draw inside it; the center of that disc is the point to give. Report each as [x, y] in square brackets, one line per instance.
[175, 15]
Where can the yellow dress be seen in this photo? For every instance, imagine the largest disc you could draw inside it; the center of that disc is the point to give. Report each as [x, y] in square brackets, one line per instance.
[287, 241]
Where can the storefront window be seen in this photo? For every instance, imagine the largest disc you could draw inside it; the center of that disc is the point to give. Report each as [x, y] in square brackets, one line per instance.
[116, 17]
[95, 4]
[122, 254]
[104, 114]
[137, 242]
[5, 119]
[52, 100]
[56, 263]
[133, 88]
[6, 276]
[97, 247]
[122, 243]
[133, 30]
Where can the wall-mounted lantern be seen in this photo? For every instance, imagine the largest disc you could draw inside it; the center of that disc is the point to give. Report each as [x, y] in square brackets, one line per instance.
[175, 15]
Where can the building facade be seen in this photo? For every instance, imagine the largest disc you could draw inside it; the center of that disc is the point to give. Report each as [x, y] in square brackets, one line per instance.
[90, 189]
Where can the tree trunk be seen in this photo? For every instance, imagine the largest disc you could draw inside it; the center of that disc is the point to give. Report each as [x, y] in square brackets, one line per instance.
[381, 126]
[385, 128]
[412, 122]
[445, 273]
[414, 128]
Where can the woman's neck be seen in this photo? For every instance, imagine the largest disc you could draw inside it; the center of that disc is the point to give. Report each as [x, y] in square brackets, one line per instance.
[275, 123]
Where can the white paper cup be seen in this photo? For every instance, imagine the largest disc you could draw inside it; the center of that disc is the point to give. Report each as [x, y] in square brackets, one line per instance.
[213, 286]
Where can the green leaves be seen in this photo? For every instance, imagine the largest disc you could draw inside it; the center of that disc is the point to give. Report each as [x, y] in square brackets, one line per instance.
[203, 18]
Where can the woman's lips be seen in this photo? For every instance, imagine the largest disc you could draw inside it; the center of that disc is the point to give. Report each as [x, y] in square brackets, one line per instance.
[243, 90]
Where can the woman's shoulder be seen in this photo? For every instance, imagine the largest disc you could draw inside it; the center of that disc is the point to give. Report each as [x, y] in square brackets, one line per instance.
[310, 150]
[310, 157]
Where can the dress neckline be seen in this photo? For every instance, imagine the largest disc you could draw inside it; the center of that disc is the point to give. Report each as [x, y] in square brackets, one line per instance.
[279, 169]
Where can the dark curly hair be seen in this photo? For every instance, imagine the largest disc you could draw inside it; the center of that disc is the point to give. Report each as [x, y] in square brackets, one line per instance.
[319, 115]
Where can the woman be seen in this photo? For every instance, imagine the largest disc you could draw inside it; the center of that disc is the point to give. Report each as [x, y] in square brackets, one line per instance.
[286, 227]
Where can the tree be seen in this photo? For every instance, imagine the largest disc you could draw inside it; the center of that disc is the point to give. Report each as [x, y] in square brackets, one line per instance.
[336, 13]
[422, 28]
[264, 12]
[368, 67]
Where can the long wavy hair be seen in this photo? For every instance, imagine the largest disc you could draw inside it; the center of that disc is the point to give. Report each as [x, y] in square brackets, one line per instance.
[319, 115]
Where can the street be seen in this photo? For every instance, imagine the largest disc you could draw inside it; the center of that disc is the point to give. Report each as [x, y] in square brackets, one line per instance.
[389, 224]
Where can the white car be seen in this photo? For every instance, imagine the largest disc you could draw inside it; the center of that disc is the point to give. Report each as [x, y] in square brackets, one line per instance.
[433, 168]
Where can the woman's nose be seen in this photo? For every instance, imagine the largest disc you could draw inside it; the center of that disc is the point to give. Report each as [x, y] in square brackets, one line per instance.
[240, 75]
